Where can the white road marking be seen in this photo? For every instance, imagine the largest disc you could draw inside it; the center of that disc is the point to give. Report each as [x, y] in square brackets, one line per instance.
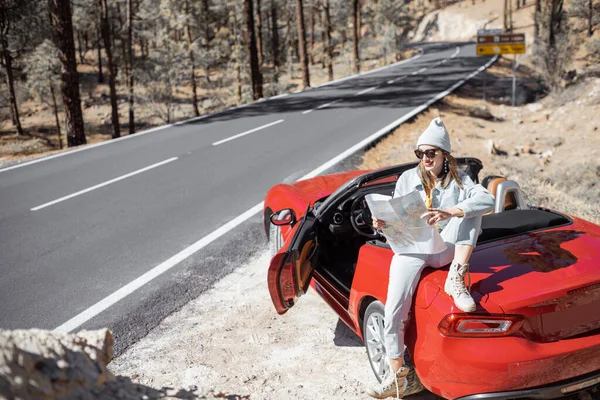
[422, 70]
[328, 104]
[120, 178]
[372, 71]
[366, 91]
[131, 287]
[321, 106]
[247, 132]
[397, 79]
[134, 285]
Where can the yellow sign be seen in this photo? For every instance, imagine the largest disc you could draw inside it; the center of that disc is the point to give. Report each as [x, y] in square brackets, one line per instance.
[493, 49]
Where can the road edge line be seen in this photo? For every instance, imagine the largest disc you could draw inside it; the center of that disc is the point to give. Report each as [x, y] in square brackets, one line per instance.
[137, 283]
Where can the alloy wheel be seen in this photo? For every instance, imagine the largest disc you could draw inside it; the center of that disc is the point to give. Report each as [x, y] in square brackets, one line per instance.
[374, 343]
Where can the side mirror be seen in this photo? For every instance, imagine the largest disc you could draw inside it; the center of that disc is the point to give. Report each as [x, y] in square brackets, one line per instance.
[287, 216]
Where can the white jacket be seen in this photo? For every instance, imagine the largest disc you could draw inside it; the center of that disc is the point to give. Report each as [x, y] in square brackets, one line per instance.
[473, 198]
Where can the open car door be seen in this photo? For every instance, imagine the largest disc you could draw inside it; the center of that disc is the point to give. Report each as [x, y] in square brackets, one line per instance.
[291, 268]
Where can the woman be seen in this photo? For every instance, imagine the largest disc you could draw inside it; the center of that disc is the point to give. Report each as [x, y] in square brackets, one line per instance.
[455, 206]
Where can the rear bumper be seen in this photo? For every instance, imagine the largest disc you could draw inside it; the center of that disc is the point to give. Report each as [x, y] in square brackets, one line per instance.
[553, 391]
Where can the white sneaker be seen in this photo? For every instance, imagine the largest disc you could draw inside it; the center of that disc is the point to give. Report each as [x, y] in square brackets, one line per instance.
[456, 288]
[393, 384]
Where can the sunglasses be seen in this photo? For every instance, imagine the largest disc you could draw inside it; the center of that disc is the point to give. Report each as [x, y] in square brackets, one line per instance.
[430, 153]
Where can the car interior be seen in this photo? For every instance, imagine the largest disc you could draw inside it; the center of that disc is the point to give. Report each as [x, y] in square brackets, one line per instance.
[347, 226]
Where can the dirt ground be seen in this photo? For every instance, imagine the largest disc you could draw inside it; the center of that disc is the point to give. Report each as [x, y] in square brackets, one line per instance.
[231, 342]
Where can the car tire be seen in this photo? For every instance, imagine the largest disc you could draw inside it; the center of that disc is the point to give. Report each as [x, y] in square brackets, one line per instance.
[275, 239]
[373, 332]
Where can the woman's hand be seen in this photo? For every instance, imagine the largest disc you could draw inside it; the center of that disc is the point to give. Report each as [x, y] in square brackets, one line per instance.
[378, 224]
[435, 215]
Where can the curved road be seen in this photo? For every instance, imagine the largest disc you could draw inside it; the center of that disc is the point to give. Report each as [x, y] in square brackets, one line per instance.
[78, 227]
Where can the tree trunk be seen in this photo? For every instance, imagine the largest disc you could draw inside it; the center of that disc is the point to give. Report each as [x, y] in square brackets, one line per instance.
[518, 4]
[536, 18]
[555, 22]
[302, 44]
[510, 16]
[237, 52]
[259, 35]
[79, 46]
[206, 19]
[311, 33]
[355, 34]
[590, 18]
[99, 44]
[60, 10]
[188, 30]
[10, 82]
[112, 72]
[328, 44]
[56, 120]
[255, 74]
[130, 65]
[505, 25]
[274, 35]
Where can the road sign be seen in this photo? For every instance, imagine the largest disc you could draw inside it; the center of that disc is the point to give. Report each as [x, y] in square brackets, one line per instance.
[493, 49]
[482, 32]
[505, 43]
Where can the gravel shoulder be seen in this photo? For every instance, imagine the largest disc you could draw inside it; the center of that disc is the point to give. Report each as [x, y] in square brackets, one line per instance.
[231, 343]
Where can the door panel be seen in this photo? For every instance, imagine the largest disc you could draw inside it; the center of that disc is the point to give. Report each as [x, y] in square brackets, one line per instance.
[291, 268]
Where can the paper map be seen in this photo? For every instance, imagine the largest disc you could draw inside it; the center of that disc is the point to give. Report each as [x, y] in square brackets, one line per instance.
[404, 230]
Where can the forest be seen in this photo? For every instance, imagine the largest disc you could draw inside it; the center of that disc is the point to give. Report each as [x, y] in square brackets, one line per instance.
[159, 61]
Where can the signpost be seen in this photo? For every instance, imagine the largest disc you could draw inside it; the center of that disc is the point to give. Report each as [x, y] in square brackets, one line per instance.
[494, 42]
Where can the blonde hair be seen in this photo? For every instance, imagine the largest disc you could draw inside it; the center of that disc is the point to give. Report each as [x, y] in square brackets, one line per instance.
[452, 173]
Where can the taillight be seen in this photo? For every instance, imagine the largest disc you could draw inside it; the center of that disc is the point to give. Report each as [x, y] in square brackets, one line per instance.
[473, 325]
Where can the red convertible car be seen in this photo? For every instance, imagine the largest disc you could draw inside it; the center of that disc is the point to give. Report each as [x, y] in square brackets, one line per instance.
[535, 278]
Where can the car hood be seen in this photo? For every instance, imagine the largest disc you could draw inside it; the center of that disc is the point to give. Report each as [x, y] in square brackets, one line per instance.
[322, 186]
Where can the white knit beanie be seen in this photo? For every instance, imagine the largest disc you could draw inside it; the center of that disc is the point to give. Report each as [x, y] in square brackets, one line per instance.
[436, 134]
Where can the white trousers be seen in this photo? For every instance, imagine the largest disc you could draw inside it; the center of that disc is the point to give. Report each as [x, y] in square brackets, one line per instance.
[405, 271]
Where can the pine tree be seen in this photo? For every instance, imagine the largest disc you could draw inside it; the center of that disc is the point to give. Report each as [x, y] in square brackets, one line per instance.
[17, 22]
[355, 34]
[112, 68]
[302, 44]
[255, 74]
[43, 73]
[60, 12]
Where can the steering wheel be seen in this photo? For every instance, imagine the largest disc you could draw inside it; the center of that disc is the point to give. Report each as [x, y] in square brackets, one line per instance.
[360, 218]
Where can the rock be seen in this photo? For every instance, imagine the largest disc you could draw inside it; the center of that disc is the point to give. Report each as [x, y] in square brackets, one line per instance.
[535, 107]
[37, 362]
[492, 149]
[481, 112]
[478, 124]
[517, 121]
[40, 364]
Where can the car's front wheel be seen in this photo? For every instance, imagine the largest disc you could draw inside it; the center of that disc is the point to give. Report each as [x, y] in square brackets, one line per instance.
[373, 334]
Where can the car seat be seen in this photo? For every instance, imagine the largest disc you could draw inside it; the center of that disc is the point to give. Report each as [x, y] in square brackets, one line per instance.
[507, 193]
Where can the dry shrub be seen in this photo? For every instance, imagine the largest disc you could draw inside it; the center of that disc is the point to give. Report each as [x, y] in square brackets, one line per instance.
[575, 191]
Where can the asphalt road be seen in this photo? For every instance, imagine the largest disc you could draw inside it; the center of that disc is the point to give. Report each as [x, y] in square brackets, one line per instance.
[76, 228]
